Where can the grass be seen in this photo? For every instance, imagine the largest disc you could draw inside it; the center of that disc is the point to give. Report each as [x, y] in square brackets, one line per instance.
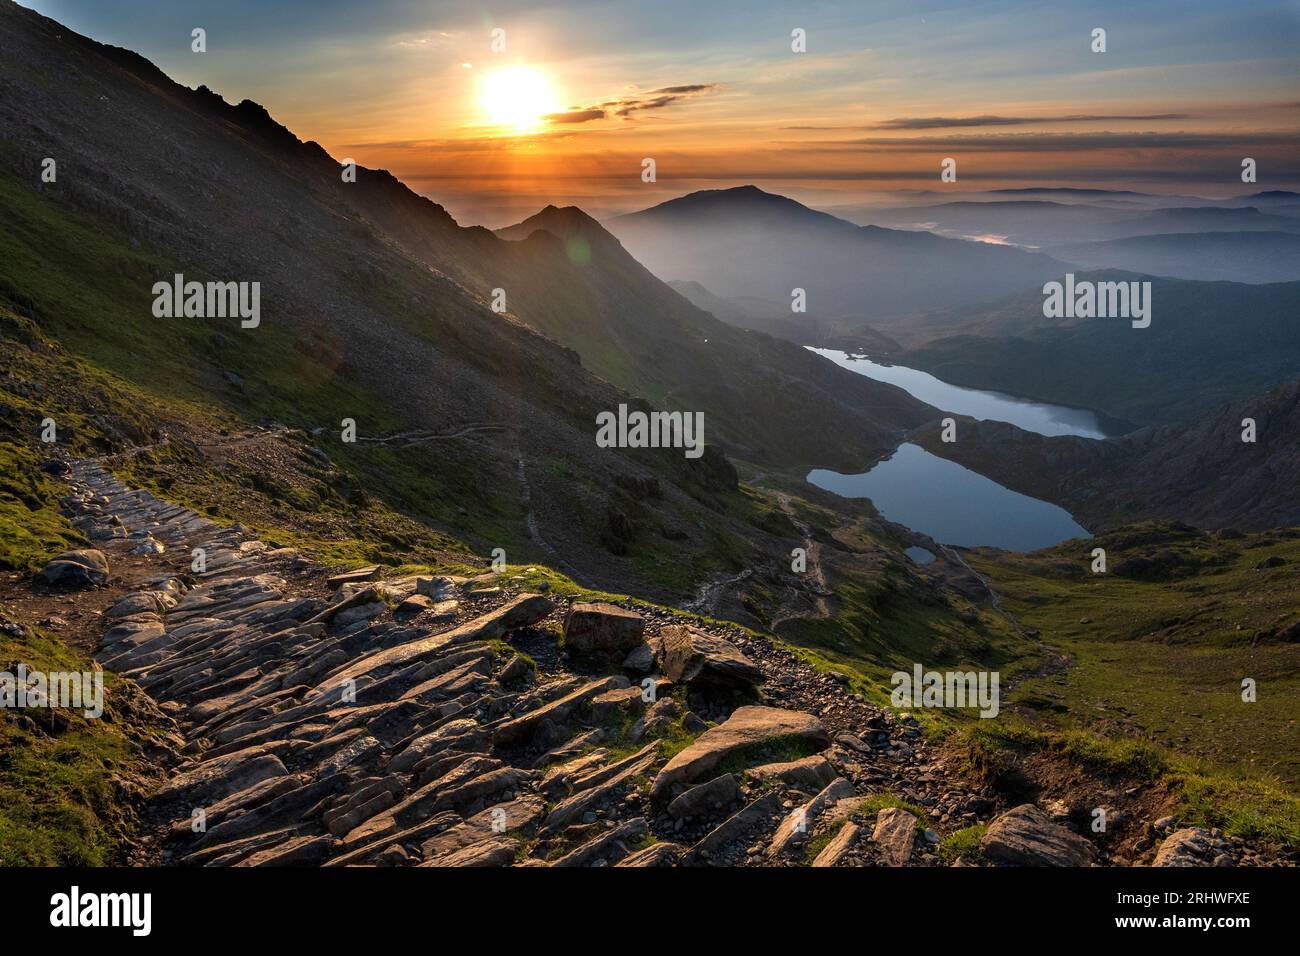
[963, 844]
[31, 526]
[1257, 809]
[60, 800]
[873, 804]
[1162, 659]
[821, 841]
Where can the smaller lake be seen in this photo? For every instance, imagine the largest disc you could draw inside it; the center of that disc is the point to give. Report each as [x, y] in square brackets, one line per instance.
[994, 406]
[952, 504]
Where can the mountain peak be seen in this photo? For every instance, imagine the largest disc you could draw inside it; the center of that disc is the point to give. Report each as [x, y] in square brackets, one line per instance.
[563, 222]
[737, 204]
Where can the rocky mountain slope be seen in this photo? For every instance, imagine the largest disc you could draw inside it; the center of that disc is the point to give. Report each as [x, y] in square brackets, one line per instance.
[353, 719]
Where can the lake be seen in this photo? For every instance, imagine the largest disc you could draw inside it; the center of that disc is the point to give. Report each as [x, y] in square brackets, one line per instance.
[1029, 415]
[952, 504]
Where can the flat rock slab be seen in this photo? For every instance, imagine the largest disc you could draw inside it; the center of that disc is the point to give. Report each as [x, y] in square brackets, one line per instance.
[895, 833]
[706, 798]
[521, 612]
[491, 824]
[746, 727]
[346, 577]
[1026, 837]
[657, 854]
[796, 826]
[841, 844]
[520, 729]
[810, 774]
[736, 827]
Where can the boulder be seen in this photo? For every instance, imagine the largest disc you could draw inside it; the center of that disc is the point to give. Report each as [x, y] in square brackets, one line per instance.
[435, 588]
[142, 602]
[1025, 836]
[693, 656]
[602, 630]
[641, 659]
[747, 729]
[78, 569]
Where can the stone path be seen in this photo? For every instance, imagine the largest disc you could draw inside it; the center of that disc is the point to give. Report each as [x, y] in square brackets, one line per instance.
[341, 719]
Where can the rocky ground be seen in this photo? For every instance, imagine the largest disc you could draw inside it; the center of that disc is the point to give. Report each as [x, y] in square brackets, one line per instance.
[319, 718]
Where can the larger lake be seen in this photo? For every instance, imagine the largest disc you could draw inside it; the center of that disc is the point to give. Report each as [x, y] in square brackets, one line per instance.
[950, 503]
[1029, 415]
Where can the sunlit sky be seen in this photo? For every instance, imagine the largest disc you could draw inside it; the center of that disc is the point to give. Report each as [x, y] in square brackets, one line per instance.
[714, 93]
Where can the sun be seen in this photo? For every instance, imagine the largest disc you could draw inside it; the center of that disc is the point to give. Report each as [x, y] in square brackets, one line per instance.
[517, 97]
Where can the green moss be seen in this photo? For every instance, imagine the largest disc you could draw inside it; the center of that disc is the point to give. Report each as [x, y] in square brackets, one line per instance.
[963, 844]
[32, 528]
[1251, 808]
[59, 802]
[781, 749]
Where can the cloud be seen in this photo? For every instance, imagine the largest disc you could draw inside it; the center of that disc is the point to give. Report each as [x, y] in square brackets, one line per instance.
[658, 99]
[575, 116]
[945, 122]
[638, 101]
[1053, 142]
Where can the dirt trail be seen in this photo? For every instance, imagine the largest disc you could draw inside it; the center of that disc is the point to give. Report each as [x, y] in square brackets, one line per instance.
[814, 571]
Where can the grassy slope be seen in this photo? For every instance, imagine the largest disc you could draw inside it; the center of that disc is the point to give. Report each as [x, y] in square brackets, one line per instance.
[59, 799]
[1159, 648]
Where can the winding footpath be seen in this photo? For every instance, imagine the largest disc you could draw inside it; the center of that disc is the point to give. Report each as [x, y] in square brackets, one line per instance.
[339, 719]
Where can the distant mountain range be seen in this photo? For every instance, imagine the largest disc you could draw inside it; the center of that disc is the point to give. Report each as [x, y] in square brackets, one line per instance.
[1209, 344]
[1044, 224]
[747, 242]
[1254, 257]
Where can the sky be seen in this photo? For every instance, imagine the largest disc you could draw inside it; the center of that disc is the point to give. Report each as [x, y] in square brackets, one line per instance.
[583, 92]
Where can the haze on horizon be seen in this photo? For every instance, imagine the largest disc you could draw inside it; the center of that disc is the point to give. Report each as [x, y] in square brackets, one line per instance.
[717, 97]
